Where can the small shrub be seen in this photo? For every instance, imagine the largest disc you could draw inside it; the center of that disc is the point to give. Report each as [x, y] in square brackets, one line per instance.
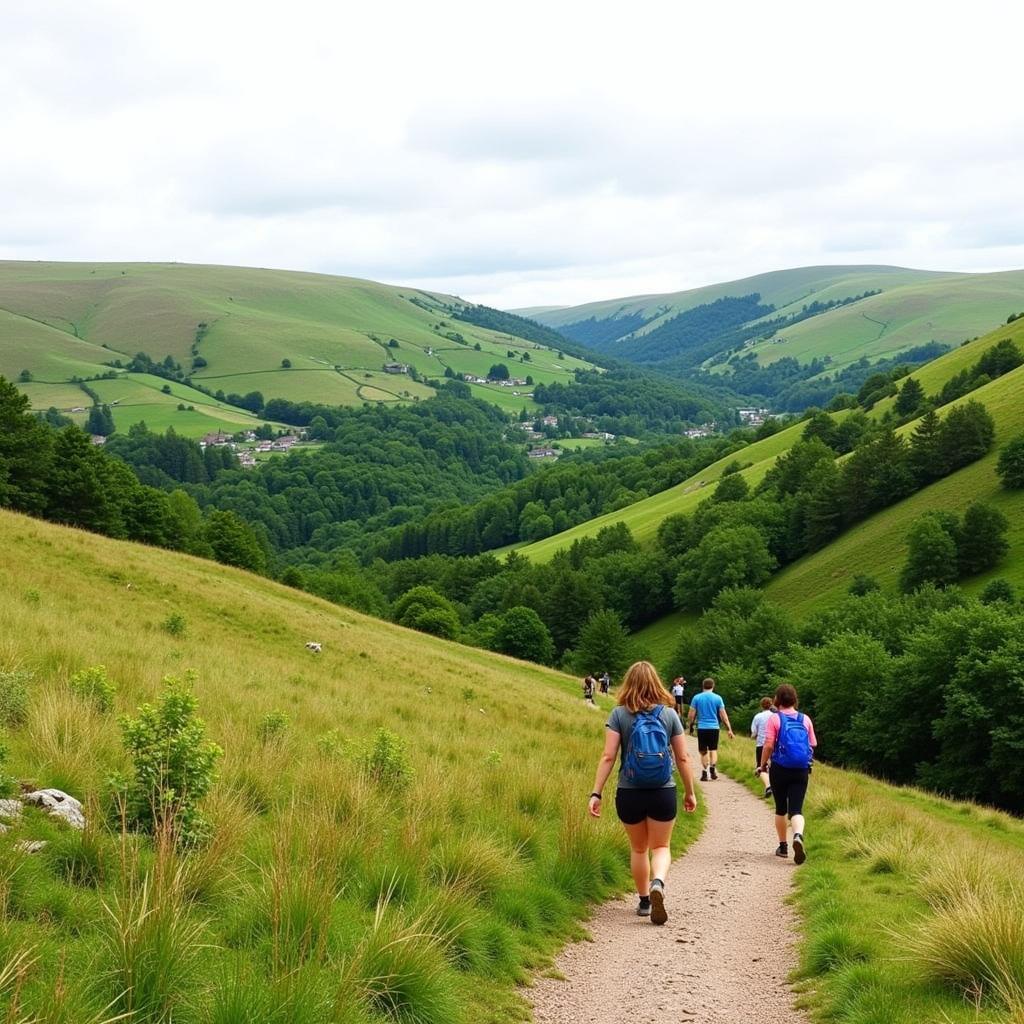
[386, 761]
[14, 697]
[174, 764]
[174, 624]
[333, 743]
[272, 726]
[94, 687]
[32, 596]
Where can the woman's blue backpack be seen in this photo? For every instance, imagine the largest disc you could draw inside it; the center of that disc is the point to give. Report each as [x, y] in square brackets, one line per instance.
[793, 746]
[648, 762]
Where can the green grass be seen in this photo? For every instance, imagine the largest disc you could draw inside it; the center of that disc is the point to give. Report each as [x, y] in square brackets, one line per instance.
[325, 895]
[911, 907]
[63, 319]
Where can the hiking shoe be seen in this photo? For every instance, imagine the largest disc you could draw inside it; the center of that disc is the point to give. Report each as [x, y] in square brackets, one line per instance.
[658, 915]
[798, 849]
[704, 776]
[768, 792]
[644, 907]
[782, 851]
[714, 774]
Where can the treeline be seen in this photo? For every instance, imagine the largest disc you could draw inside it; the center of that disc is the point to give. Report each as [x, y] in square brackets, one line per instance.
[599, 334]
[633, 402]
[924, 689]
[518, 326]
[554, 499]
[60, 475]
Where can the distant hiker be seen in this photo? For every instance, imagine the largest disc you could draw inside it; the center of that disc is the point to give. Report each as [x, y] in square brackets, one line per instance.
[789, 743]
[606, 682]
[708, 710]
[679, 691]
[757, 731]
[588, 688]
[648, 734]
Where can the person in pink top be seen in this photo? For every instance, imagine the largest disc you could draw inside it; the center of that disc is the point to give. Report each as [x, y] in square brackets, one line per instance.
[789, 743]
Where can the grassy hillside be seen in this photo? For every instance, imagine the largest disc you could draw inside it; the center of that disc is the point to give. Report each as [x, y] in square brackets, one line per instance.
[911, 905]
[877, 546]
[644, 517]
[326, 894]
[59, 320]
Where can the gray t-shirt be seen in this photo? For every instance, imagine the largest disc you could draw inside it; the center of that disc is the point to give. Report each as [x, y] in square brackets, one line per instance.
[621, 721]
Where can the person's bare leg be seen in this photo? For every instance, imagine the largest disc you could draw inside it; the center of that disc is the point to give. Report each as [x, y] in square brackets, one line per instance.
[780, 827]
[763, 778]
[659, 836]
[705, 759]
[714, 757]
[639, 862]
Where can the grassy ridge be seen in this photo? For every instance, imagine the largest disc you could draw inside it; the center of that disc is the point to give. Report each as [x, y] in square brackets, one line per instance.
[474, 871]
[60, 320]
[912, 907]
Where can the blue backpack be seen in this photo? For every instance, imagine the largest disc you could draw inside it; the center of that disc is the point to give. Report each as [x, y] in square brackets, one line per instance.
[648, 761]
[793, 746]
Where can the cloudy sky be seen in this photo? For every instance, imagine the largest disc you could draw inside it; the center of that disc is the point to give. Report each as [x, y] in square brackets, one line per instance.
[518, 154]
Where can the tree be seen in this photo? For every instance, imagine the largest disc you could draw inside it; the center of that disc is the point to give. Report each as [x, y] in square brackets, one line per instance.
[318, 429]
[998, 591]
[863, 584]
[80, 491]
[910, 397]
[603, 644]
[732, 487]
[423, 608]
[521, 634]
[728, 556]
[529, 381]
[966, 434]
[932, 556]
[26, 447]
[100, 421]
[234, 542]
[1011, 463]
[286, 364]
[499, 371]
[981, 542]
[25, 376]
[927, 459]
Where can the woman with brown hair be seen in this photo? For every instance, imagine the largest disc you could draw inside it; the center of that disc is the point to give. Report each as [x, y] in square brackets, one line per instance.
[648, 733]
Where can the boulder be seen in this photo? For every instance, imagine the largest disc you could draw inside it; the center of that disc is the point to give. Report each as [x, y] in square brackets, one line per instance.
[30, 845]
[10, 809]
[58, 804]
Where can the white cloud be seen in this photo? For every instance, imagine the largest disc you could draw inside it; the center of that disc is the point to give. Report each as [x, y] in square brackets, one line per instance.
[541, 153]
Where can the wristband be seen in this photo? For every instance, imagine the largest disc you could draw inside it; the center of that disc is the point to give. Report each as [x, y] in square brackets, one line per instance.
[597, 796]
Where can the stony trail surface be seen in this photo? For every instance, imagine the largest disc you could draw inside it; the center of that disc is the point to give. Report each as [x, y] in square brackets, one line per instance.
[726, 951]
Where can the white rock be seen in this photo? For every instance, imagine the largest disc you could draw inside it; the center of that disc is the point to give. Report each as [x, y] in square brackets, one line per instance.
[30, 845]
[58, 804]
[10, 809]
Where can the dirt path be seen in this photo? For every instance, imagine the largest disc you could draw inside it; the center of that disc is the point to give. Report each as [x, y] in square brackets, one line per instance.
[725, 953]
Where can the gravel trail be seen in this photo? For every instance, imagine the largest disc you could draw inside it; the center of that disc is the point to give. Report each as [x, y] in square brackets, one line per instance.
[724, 954]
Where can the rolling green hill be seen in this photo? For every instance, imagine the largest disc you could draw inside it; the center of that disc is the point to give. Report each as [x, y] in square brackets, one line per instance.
[325, 884]
[912, 308]
[64, 320]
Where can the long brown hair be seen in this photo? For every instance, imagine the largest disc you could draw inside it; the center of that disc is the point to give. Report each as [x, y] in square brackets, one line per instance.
[642, 688]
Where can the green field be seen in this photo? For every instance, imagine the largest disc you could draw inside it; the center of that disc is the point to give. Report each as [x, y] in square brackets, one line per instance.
[59, 320]
[472, 872]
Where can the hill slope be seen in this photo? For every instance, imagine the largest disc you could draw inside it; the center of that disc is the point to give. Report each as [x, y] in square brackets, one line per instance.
[472, 868]
[59, 320]
[911, 308]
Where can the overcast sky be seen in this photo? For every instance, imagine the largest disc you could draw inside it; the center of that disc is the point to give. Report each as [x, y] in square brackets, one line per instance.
[517, 154]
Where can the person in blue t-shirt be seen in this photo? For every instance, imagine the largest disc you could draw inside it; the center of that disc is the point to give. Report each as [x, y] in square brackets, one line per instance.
[708, 709]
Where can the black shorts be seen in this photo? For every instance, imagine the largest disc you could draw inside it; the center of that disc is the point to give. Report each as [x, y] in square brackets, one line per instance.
[707, 739]
[789, 787]
[757, 756]
[679, 705]
[635, 805]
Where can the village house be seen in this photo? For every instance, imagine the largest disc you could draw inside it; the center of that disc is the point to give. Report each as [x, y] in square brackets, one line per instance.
[542, 453]
[284, 444]
[599, 435]
[97, 439]
[396, 368]
[550, 421]
[215, 440]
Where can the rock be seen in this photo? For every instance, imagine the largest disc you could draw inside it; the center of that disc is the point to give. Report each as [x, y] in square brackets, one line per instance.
[30, 845]
[58, 804]
[10, 809]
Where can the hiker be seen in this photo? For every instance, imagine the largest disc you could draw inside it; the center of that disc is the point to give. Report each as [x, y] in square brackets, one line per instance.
[707, 709]
[789, 743]
[757, 730]
[648, 733]
[678, 691]
[588, 689]
[606, 681]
